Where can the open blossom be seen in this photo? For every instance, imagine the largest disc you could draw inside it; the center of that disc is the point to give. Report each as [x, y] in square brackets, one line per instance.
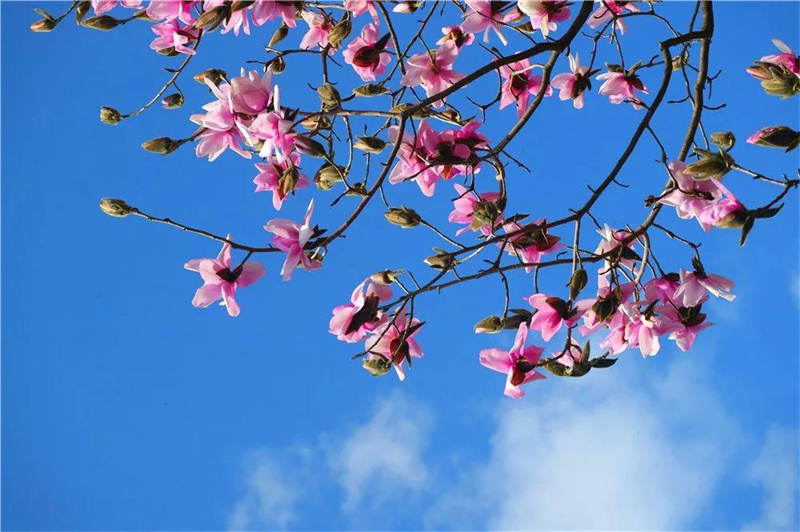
[457, 35]
[611, 245]
[251, 93]
[694, 286]
[686, 322]
[533, 244]
[368, 53]
[220, 281]
[519, 85]
[433, 70]
[171, 36]
[545, 14]
[103, 6]
[318, 29]
[486, 16]
[351, 322]
[478, 212]
[621, 87]
[274, 129]
[281, 177]
[662, 288]
[786, 58]
[518, 363]
[607, 11]
[643, 330]
[292, 238]
[359, 7]
[172, 9]
[261, 11]
[605, 310]
[691, 196]
[394, 343]
[727, 212]
[573, 86]
[553, 312]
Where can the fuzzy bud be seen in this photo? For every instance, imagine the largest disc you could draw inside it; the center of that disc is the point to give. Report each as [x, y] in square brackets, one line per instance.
[776, 137]
[328, 175]
[214, 75]
[115, 207]
[102, 23]
[329, 96]
[308, 146]
[710, 164]
[490, 325]
[316, 123]
[369, 90]
[340, 31]
[403, 217]
[173, 101]
[110, 116]
[377, 365]
[279, 35]
[370, 144]
[212, 18]
[386, 277]
[276, 66]
[43, 26]
[162, 145]
[577, 283]
[724, 139]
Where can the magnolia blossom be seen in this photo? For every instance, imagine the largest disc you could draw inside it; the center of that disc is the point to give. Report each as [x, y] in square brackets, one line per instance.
[464, 212]
[351, 322]
[433, 70]
[727, 212]
[611, 242]
[694, 285]
[690, 196]
[318, 29]
[605, 310]
[519, 85]
[282, 177]
[686, 322]
[553, 312]
[102, 6]
[486, 16]
[545, 13]
[359, 7]
[172, 9]
[609, 10]
[457, 35]
[531, 245]
[573, 86]
[170, 35]
[786, 58]
[662, 288]
[292, 239]
[220, 281]
[518, 363]
[621, 87]
[261, 11]
[368, 53]
[275, 130]
[395, 343]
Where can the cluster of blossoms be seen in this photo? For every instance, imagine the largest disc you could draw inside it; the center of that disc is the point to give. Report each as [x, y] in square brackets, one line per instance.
[246, 116]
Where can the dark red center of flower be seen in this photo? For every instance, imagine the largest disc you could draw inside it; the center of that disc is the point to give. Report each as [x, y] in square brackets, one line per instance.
[399, 350]
[229, 276]
[519, 83]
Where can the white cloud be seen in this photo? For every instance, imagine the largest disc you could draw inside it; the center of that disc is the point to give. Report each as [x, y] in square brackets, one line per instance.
[384, 455]
[608, 451]
[775, 470]
[271, 495]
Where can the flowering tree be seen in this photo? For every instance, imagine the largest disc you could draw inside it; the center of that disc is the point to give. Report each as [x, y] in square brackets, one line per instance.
[411, 99]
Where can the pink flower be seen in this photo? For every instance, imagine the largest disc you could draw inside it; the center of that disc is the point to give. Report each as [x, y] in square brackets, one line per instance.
[433, 70]
[351, 322]
[266, 10]
[359, 7]
[786, 58]
[569, 357]
[695, 284]
[553, 312]
[395, 343]
[464, 211]
[280, 177]
[318, 29]
[457, 35]
[607, 11]
[533, 244]
[519, 363]
[170, 34]
[685, 322]
[610, 246]
[727, 212]
[220, 282]
[486, 16]
[643, 330]
[573, 86]
[605, 309]
[102, 6]
[545, 13]
[274, 130]
[690, 196]
[251, 93]
[662, 288]
[621, 87]
[368, 53]
[171, 9]
[221, 128]
[294, 239]
[520, 85]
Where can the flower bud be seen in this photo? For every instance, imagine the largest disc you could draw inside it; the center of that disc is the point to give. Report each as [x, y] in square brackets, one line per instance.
[328, 175]
[710, 164]
[370, 144]
[162, 145]
[441, 261]
[377, 365]
[577, 283]
[386, 277]
[518, 317]
[782, 82]
[288, 180]
[490, 325]
[309, 146]
[276, 66]
[214, 75]
[403, 217]
[173, 101]
[43, 26]
[279, 35]
[484, 213]
[316, 123]
[241, 4]
[340, 31]
[102, 23]
[212, 18]
[733, 220]
[724, 139]
[115, 207]
[776, 137]
[110, 116]
[81, 10]
[370, 89]
[329, 96]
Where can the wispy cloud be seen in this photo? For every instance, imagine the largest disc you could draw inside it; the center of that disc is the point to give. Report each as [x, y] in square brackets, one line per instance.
[775, 471]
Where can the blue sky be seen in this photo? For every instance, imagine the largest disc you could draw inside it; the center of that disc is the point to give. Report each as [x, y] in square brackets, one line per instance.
[126, 408]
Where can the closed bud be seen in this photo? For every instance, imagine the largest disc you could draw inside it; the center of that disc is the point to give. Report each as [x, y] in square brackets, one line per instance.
[316, 122]
[403, 217]
[782, 82]
[776, 137]
[214, 75]
[81, 10]
[370, 144]
[377, 365]
[328, 175]
[43, 26]
[518, 317]
[110, 116]
[241, 4]
[162, 145]
[212, 18]
[173, 101]
[340, 31]
[724, 139]
[490, 325]
[279, 35]
[329, 96]
[441, 261]
[276, 66]
[288, 180]
[370, 89]
[710, 165]
[484, 213]
[309, 146]
[577, 283]
[102, 23]
[422, 112]
[386, 277]
[115, 207]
